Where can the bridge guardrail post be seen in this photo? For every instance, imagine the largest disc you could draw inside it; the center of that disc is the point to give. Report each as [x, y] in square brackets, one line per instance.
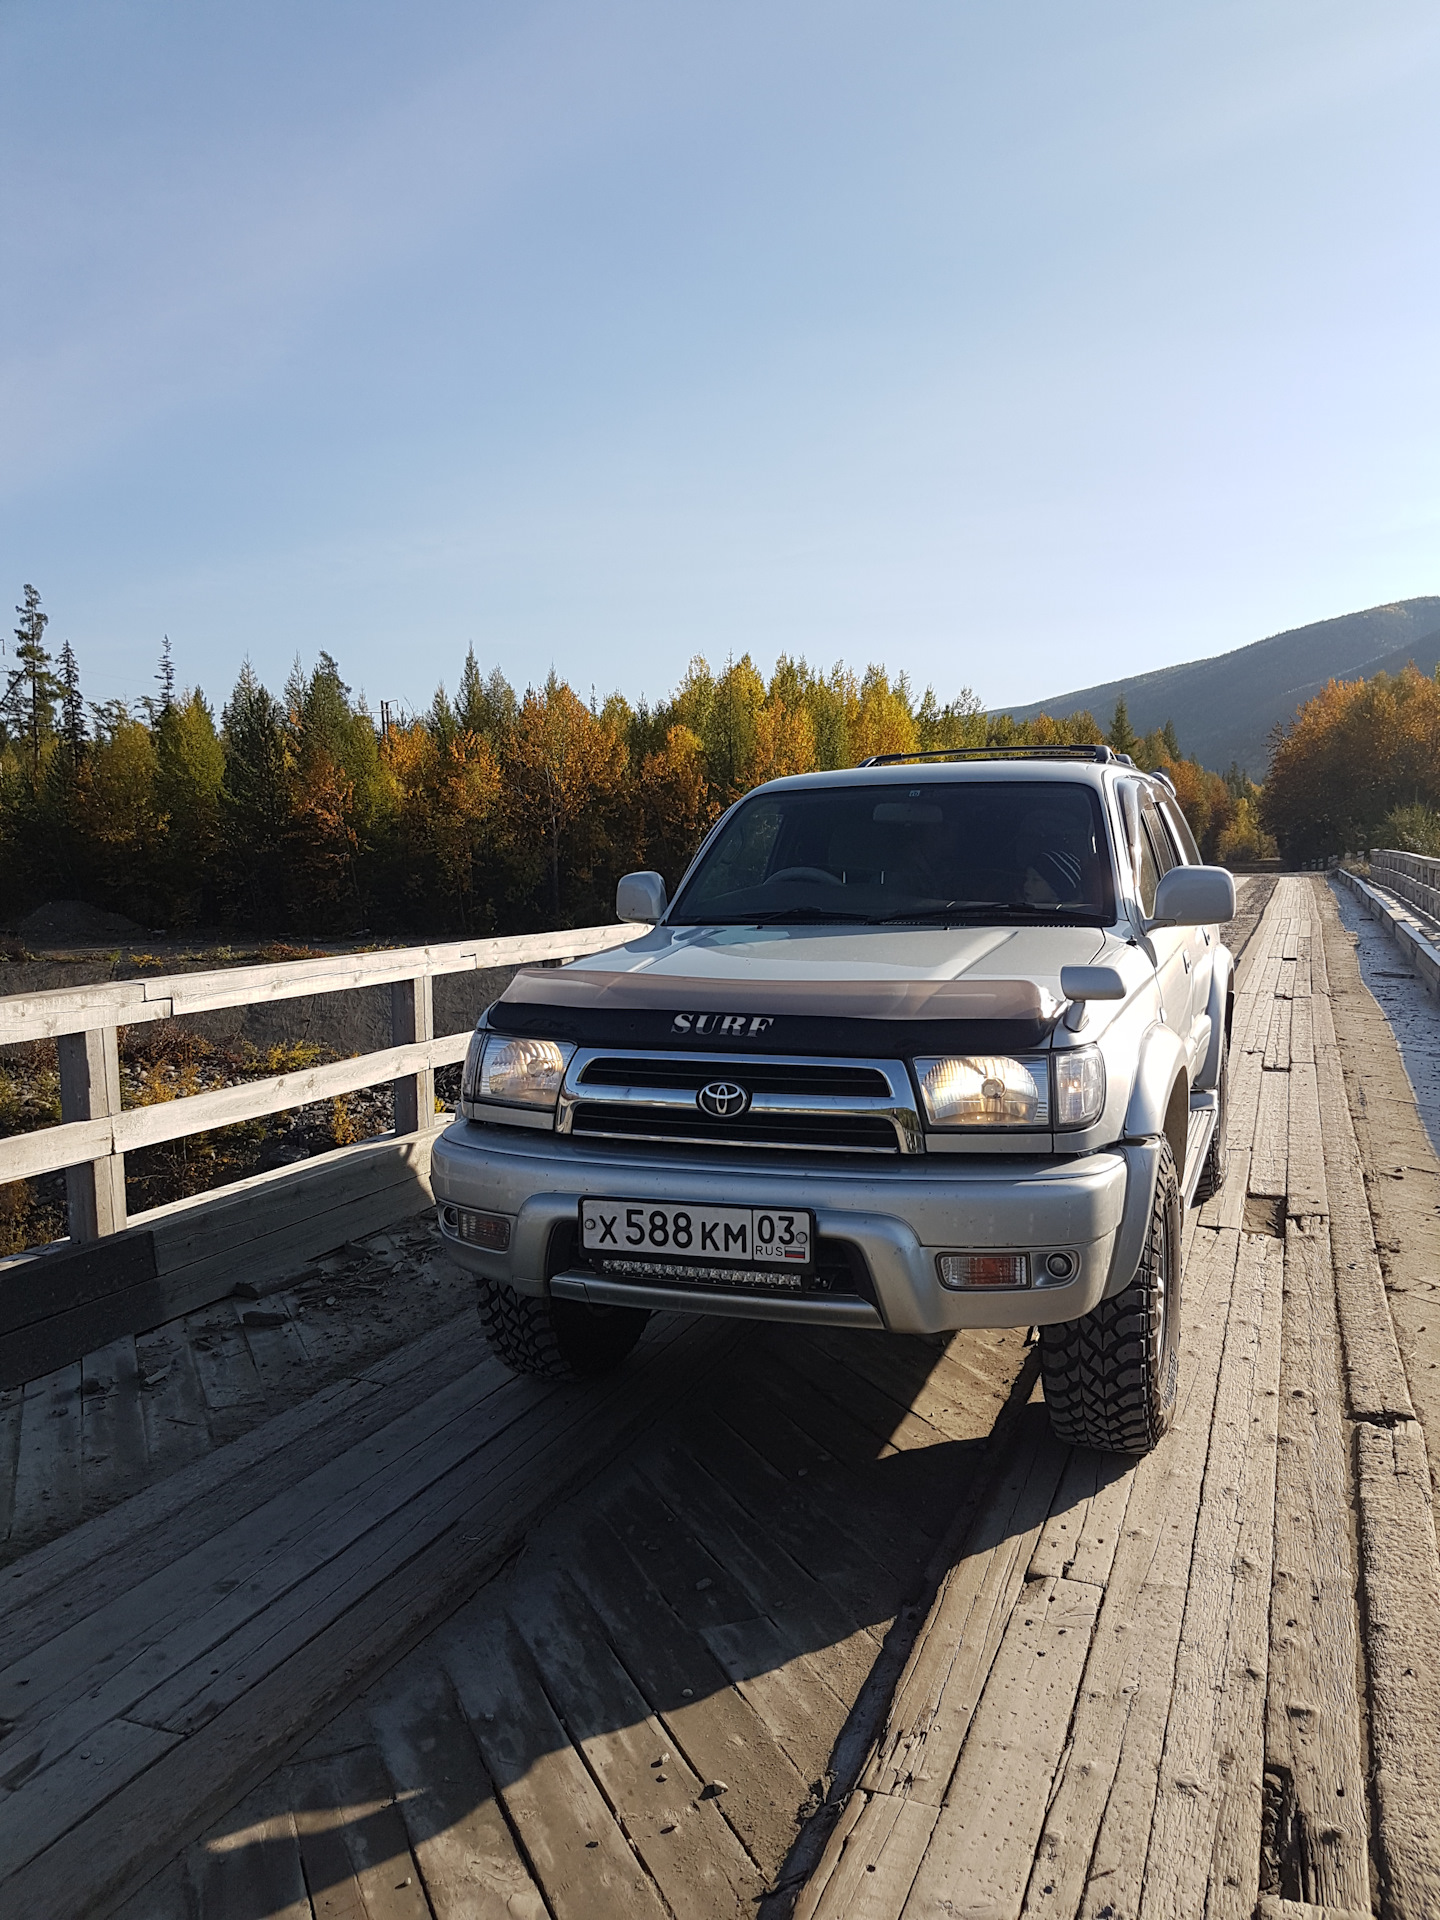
[412, 1019]
[90, 1090]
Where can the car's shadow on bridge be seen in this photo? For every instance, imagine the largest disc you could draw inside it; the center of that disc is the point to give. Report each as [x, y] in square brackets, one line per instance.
[687, 1658]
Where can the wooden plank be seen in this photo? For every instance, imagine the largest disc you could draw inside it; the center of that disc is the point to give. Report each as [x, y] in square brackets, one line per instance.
[1240, 1720]
[412, 1019]
[789, 1692]
[90, 1090]
[576, 1850]
[955, 1400]
[277, 1353]
[672, 1815]
[43, 1807]
[946, 1671]
[251, 1865]
[169, 1518]
[11, 1411]
[807, 1611]
[1305, 1168]
[1375, 1382]
[1082, 1532]
[1402, 1600]
[144, 1642]
[47, 1470]
[712, 1722]
[147, 1819]
[1269, 1157]
[871, 1861]
[72, 1277]
[465, 1851]
[1193, 1765]
[48, 1149]
[234, 1391]
[1312, 1714]
[353, 1844]
[257, 1230]
[114, 1458]
[891, 1423]
[984, 1841]
[1104, 1791]
[867, 1588]
[44, 1016]
[1302, 1033]
[1277, 1043]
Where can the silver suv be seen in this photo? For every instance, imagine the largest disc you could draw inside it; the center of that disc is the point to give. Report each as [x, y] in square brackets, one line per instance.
[924, 1044]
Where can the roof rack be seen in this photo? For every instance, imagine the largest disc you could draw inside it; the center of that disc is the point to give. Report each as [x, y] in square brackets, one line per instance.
[1059, 752]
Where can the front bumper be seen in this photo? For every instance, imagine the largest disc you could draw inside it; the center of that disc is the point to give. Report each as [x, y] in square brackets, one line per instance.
[899, 1216]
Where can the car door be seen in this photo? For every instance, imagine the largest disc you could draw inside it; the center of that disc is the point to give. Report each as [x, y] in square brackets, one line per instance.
[1203, 940]
[1154, 858]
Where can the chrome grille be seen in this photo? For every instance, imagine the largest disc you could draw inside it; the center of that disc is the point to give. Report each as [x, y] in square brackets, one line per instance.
[800, 1106]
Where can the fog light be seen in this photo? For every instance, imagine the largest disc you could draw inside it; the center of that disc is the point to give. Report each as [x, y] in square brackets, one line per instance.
[984, 1269]
[1061, 1266]
[488, 1230]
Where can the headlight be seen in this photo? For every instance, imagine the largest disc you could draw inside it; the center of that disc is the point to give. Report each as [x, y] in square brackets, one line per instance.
[1079, 1086]
[518, 1073]
[985, 1090]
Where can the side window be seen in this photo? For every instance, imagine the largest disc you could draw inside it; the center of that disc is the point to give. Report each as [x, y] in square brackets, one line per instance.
[1165, 849]
[1148, 878]
[1157, 855]
[1180, 832]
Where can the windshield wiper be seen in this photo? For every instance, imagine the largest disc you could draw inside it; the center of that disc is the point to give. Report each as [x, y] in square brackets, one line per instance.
[980, 909]
[779, 915]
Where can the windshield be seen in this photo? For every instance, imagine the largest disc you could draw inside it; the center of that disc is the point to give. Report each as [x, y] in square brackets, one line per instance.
[944, 853]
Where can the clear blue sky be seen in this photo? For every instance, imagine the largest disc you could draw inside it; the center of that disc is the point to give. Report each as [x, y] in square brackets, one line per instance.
[1015, 345]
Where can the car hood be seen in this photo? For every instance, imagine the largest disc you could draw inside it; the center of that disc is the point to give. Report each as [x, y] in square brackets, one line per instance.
[761, 984]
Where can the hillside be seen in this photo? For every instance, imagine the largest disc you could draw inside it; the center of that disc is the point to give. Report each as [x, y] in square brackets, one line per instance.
[1224, 707]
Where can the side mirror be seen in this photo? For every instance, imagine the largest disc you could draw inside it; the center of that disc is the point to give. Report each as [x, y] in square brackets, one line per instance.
[1079, 984]
[640, 896]
[1194, 897]
[1091, 983]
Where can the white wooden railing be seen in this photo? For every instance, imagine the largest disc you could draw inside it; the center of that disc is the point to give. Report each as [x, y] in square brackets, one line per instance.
[1414, 876]
[95, 1133]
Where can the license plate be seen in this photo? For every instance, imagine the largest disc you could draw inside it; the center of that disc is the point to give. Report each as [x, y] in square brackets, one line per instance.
[735, 1236]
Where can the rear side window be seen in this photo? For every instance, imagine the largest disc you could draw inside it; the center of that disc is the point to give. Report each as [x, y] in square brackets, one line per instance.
[1180, 832]
[1157, 855]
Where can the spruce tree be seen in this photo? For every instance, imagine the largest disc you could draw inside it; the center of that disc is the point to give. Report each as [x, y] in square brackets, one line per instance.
[31, 688]
[1172, 740]
[1122, 736]
[73, 730]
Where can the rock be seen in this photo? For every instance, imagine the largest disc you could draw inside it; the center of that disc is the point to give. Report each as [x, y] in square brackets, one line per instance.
[263, 1319]
[281, 1153]
[245, 1290]
[71, 923]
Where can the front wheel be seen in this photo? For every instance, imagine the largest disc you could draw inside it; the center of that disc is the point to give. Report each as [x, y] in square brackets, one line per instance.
[559, 1339]
[1110, 1378]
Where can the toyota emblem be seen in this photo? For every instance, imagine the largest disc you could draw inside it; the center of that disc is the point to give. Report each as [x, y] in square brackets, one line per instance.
[722, 1100]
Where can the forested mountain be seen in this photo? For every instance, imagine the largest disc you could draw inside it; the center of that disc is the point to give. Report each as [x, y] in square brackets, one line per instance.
[1225, 706]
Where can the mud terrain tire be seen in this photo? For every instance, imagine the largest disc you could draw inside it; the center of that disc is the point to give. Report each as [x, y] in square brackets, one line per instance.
[1111, 1377]
[558, 1339]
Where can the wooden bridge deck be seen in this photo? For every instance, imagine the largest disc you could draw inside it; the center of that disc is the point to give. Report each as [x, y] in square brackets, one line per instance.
[778, 1617]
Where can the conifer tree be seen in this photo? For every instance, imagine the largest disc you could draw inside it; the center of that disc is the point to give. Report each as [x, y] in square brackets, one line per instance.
[31, 688]
[1122, 736]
